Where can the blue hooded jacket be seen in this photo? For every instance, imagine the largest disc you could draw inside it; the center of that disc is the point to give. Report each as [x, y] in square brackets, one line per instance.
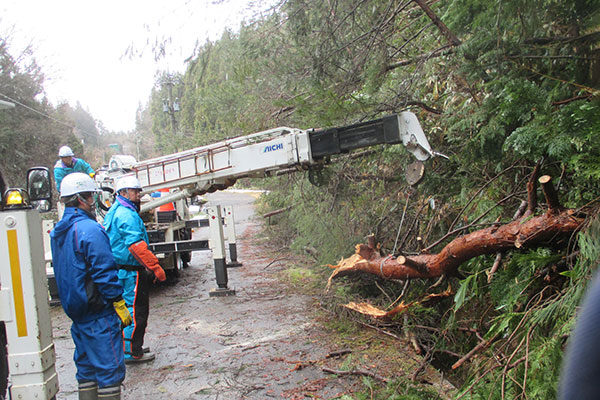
[61, 170]
[124, 227]
[84, 267]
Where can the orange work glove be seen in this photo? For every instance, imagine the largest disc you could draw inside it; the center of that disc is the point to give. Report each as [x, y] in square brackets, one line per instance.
[145, 257]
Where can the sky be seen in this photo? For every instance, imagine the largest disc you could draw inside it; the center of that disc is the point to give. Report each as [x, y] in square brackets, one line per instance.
[82, 46]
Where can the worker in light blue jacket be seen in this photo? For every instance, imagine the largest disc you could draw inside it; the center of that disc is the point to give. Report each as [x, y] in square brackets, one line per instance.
[69, 164]
[90, 292]
[129, 242]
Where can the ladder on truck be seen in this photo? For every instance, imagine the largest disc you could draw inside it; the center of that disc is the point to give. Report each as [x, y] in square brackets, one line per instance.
[243, 156]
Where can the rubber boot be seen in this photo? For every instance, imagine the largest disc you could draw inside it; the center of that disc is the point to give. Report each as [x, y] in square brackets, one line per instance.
[110, 393]
[88, 390]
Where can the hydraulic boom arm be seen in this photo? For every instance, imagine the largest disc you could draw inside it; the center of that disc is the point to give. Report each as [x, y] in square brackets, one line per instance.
[218, 165]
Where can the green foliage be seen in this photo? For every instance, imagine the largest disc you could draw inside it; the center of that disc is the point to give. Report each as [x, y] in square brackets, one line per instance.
[509, 288]
[465, 288]
[521, 88]
[398, 389]
[526, 319]
[299, 276]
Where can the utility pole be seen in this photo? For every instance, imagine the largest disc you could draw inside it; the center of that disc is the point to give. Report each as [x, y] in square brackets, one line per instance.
[137, 145]
[171, 106]
[137, 133]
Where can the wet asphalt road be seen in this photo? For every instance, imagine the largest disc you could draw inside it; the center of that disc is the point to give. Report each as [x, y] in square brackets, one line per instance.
[247, 346]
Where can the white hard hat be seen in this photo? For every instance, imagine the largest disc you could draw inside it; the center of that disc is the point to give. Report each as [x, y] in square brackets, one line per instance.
[128, 182]
[65, 151]
[77, 182]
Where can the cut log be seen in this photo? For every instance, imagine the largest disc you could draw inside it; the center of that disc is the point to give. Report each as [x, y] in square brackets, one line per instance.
[523, 232]
[550, 194]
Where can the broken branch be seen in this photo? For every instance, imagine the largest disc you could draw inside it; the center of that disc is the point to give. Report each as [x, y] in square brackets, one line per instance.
[480, 346]
[538, 230]
[412, 264]
[495, 266]
[423, 57]
[338, 353]
[498, 259]
[276, 212]
[438, 22]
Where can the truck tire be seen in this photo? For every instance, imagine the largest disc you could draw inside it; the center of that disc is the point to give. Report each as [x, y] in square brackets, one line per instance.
[186, 257]
[174, 272]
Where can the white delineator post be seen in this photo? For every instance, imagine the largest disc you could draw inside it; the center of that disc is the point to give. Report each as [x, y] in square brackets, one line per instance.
[231, 239]
[217, 246]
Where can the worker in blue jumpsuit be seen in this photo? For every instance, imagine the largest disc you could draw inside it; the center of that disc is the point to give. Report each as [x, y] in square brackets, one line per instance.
[129, 242]
[90, 292]
[69, 164]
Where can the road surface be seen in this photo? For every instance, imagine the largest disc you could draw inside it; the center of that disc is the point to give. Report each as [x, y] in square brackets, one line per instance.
[257, 344]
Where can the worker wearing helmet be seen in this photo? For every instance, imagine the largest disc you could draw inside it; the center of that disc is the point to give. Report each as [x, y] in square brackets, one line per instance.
[69, 164]
[90, 291]
[129, 242]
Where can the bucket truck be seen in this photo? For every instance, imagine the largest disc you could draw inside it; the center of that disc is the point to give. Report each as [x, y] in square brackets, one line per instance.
[217, 166]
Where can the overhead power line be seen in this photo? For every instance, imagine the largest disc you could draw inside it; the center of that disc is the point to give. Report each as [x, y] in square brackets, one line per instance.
[47, 116]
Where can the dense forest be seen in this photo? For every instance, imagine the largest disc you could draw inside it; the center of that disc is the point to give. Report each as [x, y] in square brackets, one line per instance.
[507, 90]
[32, 132]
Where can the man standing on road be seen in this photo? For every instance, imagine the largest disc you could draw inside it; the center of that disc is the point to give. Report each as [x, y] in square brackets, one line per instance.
[69, 164]
[65, 166]
[90, 292]
[129, 242]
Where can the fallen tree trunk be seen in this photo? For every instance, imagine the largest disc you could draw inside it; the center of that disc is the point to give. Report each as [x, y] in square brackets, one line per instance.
[527, 231]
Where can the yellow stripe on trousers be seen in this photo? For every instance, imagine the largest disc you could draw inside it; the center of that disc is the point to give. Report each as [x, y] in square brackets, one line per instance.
[17, 282]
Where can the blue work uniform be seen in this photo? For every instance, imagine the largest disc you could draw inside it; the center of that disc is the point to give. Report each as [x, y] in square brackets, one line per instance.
[86, 276]
[125, 227]
[61, 170]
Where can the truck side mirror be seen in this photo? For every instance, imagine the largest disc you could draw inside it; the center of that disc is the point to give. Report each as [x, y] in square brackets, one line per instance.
[40, 188]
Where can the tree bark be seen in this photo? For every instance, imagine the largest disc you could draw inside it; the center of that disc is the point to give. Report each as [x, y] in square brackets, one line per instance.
[523, 232]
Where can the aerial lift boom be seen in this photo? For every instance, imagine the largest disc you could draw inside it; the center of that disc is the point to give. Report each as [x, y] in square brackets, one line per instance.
[217, 166]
